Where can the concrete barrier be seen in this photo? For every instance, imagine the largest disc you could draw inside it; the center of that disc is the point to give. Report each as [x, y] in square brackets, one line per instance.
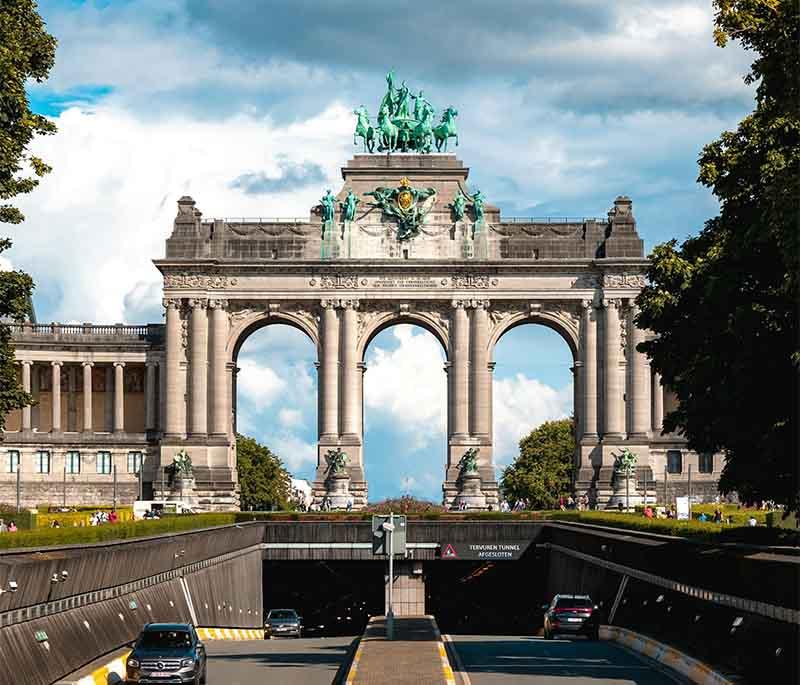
[694, 670]
[105, 671]
[230, 633]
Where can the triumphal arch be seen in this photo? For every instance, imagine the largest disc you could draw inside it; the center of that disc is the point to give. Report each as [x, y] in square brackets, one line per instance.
[405, 239]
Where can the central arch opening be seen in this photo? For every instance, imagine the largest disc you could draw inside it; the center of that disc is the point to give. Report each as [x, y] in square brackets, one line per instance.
[405, 413]
[275, 399]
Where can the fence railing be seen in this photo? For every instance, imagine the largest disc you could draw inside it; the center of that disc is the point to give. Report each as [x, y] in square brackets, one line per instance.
[260, 220]
[552, 219]
[148, 331]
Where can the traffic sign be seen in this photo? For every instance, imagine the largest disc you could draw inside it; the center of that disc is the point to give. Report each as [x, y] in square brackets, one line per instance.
[380, 534]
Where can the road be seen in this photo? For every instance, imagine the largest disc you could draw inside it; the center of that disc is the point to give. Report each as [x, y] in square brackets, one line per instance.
[308, 661]
[497, 660]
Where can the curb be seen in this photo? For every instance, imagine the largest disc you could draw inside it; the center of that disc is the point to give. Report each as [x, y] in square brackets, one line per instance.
[230, 634]
[447, 669]
[351, 673]
[694, 670]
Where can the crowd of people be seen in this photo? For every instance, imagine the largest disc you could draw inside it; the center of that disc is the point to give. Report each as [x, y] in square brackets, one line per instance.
[10, 527]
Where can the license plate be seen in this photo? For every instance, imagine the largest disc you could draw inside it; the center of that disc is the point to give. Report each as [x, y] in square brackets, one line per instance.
[574, 620]
[160, 674]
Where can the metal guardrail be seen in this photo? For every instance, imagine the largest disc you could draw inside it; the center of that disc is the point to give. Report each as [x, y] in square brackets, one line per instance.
[259, 220]
[552, 219]
[765, 609]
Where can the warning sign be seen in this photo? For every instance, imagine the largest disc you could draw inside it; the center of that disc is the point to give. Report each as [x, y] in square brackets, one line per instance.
[510, 550]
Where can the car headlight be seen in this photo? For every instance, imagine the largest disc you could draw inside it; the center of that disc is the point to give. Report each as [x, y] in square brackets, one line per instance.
[133, 663]
[186, 663]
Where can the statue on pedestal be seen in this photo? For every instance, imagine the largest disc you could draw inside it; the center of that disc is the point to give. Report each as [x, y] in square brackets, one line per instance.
[470, 495]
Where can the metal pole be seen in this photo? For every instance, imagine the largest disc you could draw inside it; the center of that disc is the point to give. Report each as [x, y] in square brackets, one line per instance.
[18, 485]
[139, 474]
[645, 489]
[665, 486]
[390, 614]
[114, 467]
[689, 493]
[627, 493]
[64, 493]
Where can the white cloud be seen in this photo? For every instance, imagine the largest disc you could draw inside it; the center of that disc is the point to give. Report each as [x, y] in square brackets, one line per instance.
[407, 386]
[300, 456]
[291, 418]
[5, 264]
[520, 404]
[258, 385]
[109, 203]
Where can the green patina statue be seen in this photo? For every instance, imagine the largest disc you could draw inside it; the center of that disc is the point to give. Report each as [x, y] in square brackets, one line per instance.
[182, 465]
[348, 207]
[398, 128]
[468, 462]
[477, 205]
[459, 206]
[625, 463]
[337, 461]
[328, 206]
[405, 204]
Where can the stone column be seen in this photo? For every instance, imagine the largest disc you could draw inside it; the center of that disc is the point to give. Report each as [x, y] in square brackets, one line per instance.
[362, 369]
[459, 370]
[162, 393]
[72, 404]
[640, 380]
[479, 377]
[55, 393]
[658, 404]
[198, 368]
[36, 414]
[119, 397]
[348, 388]
[26, 386]
[174, 414]
[577, 397]
[87, 397]
[108, 404]
[589, 386]
[614, 411]
[150, 395]
[218, 390]
[329, 379]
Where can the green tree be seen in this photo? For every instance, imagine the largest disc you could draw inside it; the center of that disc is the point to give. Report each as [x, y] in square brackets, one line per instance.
[27, 52]
[263, 479]
[543, 470]
[724, 304]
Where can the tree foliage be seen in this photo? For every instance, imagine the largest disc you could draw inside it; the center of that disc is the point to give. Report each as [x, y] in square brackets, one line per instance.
[542, 471]
[264, 482]
[27, 52]
[724, 303]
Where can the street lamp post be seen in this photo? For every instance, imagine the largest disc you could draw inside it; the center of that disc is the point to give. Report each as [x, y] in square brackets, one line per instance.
[389, 528]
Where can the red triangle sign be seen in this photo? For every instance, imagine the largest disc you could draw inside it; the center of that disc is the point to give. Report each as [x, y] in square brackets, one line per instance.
[449, 552]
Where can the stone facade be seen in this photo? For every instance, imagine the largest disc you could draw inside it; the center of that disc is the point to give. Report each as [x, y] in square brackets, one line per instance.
[466, 281]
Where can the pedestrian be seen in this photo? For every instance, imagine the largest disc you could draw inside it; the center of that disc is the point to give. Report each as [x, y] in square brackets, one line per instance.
[570, 502]
[350, 502]
[752, 521]
[12, 527]
[648, 512]
[717, 515]
[3, 526]
[561, 503]
[619, 505]
[112, 518]
[702, 516]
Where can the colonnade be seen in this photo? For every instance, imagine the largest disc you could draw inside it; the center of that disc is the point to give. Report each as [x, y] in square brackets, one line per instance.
[114, 406]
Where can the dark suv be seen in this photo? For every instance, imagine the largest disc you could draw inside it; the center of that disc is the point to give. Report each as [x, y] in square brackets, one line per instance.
[167, 653]
[573, 614]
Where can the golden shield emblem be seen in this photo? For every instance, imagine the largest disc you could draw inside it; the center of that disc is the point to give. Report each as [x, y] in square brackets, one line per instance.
[405, 199]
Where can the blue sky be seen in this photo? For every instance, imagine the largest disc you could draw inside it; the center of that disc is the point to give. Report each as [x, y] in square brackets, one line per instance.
[247, 107]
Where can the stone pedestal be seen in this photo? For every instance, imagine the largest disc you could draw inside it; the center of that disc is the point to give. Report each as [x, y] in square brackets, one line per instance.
[338, 490]
[622, 485]
[470, 493]
[183, 489]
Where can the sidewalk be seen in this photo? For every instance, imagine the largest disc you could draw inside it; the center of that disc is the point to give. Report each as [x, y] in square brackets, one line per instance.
[416, 655]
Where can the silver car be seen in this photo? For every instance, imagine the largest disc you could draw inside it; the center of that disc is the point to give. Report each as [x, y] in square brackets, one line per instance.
[283, 623]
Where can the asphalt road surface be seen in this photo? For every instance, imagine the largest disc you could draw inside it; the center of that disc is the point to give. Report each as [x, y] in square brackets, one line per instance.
[307, 661]
[497, 660]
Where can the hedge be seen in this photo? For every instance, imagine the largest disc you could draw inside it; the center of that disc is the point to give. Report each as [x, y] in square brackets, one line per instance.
[42, 537]
[76, 518]
[706, 531]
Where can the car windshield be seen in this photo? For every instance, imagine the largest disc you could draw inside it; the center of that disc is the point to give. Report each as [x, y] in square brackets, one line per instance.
[165, 638]
[574, 603]
[282, 614]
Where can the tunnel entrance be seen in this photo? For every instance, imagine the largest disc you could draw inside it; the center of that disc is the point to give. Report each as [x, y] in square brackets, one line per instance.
[333, 597]
[487, 597]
